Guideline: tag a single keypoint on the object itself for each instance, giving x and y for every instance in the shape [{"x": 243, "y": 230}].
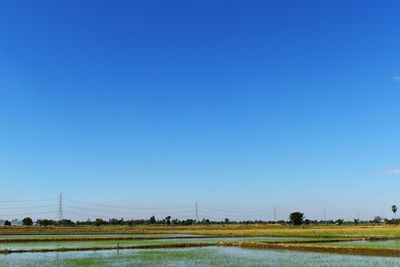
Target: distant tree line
[
  {"x": 295, "y": 218},
  {"x": 100, "y": 222}
]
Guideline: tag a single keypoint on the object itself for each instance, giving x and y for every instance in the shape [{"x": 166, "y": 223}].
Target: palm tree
[{"x": 394, "y": 209}]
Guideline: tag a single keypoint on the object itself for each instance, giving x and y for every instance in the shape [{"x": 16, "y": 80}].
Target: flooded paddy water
[
  {"x": 88, "y": 236},
  {"x": 128, "y": 243},
  {"x": 210, "y": 256},
  {"x": 112, "y": 251}
]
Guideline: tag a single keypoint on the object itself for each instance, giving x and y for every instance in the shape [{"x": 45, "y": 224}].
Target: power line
[
  {"x": 129, "y": 212},
  {"x": 236, "y": 212},
  {"x": 31, "y": 200},
  {"x": 27, "y": 207},
  {"x": 27, "y": 213},
  {"x": 122, "y": 207},
  {"x": 233, "y": 214},
  {"x": 75, "y": 206}
]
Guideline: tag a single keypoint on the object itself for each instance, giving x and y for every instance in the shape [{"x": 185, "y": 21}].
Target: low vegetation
[{"x": 319, "y": 238}]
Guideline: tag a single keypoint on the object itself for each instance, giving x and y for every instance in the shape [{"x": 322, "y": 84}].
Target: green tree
[
  {"x": 339, "y": 221},
  {"x": 99, "y": 222},
  {"x": 296, "y": 218},
  {"x": 27, "y": 221},
  {"x": 152, "y": 220},
  {"x": 377, "y": 219},
  {"x": 7, "y": 223}
]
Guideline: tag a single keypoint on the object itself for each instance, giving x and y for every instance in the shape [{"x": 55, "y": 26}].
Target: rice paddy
[
  {"x": 210, "y": 256},
  {"x": 216, "y": 245}
]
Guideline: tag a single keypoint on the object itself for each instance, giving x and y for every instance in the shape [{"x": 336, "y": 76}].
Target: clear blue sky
[{"x": 240, "y": 105}]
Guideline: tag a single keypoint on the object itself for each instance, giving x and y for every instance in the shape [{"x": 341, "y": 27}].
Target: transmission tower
[
  {"x": 60, "y": 210},
  {"x": 275, "y": 213},
  {"x": 196, "y": 211}
]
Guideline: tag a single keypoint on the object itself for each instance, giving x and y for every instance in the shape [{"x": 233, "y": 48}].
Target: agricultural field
[
  {"x": 209, "y": 256},
  {"x": 199, "y": 245},
  {"x": 110, "y": 243},
  {"x": 325, "y": 231}
]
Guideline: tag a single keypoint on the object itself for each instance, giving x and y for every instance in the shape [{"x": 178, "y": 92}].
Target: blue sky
[{"x": 239, "y": 105}]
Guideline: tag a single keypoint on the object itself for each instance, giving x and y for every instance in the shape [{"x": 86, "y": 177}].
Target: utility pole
[
  {"x": 60, "y": 210},
  {"x": 325, "y": 215},
  {"x": 275, "y": 213}
]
